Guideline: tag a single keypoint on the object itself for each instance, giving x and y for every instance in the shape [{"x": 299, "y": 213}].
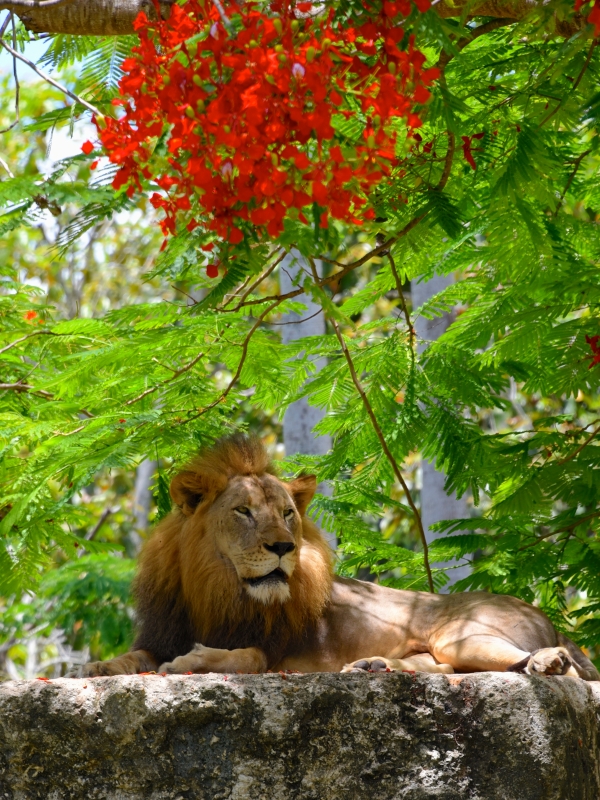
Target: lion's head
[{"x": 238, "y": 551}]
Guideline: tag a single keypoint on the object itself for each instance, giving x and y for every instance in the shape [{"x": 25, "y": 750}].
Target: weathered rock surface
[{"x": 301, "y": 737}]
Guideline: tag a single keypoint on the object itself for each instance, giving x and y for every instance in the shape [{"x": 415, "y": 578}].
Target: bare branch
[
  {"x": 386, "y": 450},
  {"x": 24, "y": 387},
  {"x": 23, "y": 338},
  {"x": 51, "y": 81}
]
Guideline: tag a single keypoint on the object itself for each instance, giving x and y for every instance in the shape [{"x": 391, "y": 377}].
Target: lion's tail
[{"x": 584, "y": 666}]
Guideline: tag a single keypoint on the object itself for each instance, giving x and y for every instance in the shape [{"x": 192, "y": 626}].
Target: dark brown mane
[{"x": 187, "y": 593}]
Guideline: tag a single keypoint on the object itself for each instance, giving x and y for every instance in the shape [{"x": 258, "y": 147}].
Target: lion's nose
[{"x": 280, "y": 548}]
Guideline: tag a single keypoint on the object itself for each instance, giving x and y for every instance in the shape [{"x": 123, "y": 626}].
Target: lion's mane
[{"x": 187, "y": 593}]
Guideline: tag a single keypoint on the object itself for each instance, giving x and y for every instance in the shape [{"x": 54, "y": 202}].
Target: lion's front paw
[
  {"x": 549, "y": 661},
  {"x": 177, "y": 667},
  {"x": 374, "y": 664},
  {"x": 95, "y": 669}
]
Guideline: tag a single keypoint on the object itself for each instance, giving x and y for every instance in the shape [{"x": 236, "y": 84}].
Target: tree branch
[
  {"x": 240, "y": 366},
  {"x": 23, "y": 338},
  {"x": 386, "y": 450},
  {"x": 51, "y": 81},
  {"x": 115, "y": 17}
]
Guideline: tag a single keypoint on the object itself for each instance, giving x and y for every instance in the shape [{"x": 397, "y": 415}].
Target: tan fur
[{"x": 205, "y": 603}]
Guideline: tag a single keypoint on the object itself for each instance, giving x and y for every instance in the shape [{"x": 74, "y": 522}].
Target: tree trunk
[
  {"x": 142, "y": 505},
  {"x": 436, "y": 504},
  {"x": 115, "y": 17},
  {"x": 300, "y": 417}
]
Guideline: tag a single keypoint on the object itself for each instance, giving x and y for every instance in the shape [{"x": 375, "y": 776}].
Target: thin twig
[
  {"x": 25, "y": 387},
  {"x": 51, "y": 81},
  {"x": 5, "y": 165},
  {"x": 91, "y": 534},
  {"x": 577, "y": 163},
  {"x": 11, "y": 18},
  {"x": 570, "y": 527},
  {"x": 256, "y": 283},
  {"x": 586, "y": 64},
  {"x": 386, "y": 450},
  {"x": 189, "y": 296},
  {"x": 337, "y": 276},
  {"x": 240, "y": 366},
  {"x": 4, "y": 25},
  {"x": 28, "y": 336},
  {"x": 298, "y": 321},
  {"x": 176, "y": 372},
  {"x": 403, "y": 306},
  {"x": 447, "y": 161},
  {"x": 580, "y": 448}
]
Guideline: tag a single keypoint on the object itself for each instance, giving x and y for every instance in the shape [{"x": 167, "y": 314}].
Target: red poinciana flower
[
  {"x": 594, "y": 343},
  {"x": 239, "y": 120},
  {"x": 594, "y": 16}
]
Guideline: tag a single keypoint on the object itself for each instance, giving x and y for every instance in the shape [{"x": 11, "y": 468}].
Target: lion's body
[{"x": 238, "y": 579}]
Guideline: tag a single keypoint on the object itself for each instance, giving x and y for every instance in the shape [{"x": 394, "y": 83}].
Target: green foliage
[{"x": 506, "y": 401}]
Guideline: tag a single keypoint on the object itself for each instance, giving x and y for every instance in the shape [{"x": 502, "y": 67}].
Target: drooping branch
[
  {"x": 386, "y": 450},
  {"x": 115, "y": 17}
]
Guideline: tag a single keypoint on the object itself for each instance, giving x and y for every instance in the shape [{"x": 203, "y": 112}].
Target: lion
[{"x": 238, "y": 579}]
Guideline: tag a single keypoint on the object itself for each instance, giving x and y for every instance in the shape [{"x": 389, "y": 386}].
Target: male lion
[{"x": 238, "y": 579}]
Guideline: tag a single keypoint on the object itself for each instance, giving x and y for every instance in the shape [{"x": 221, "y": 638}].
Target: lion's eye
[
  {"x": 289, "y": 512},
  {"x": 243, "y": 510}
]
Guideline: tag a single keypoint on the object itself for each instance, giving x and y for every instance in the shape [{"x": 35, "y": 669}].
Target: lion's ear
[
  {"x": 302, "y": 490},
  {"x": 187, "y": 491}
]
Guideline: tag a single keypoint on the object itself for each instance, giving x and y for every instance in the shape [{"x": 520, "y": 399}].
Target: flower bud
[
  {"x": 298, "y": 71},
  {"x": 310, "y": 54},
  {"x": 295, "y": 25},
  {"x": 200, "y": 106},
  {"x": 392, "y": 67},
  {"x": 197, "y": 80},
  {"x": 278, "y": 25},
  {"x": 189, "y": 112}
]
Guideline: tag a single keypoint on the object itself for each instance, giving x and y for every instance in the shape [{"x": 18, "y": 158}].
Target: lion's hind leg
[
  {"x": 422, "y": 662},
  {"x": 486, "y": 652}
]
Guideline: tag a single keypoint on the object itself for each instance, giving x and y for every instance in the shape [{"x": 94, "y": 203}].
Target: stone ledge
[{"x": 398, "y": 736}]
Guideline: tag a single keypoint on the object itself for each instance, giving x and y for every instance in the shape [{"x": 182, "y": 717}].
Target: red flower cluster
[
  {"x": 594, "y": 343},
  {"x": 242, "y": 117},
  {"x": 594, "y": 17}
]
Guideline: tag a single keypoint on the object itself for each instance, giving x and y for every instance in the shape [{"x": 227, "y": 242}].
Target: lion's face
[{"x": 256, "y": 526}]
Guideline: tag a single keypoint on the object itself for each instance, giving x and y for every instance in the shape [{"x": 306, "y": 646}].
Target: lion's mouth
[{"x": 277, "y": 576}]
